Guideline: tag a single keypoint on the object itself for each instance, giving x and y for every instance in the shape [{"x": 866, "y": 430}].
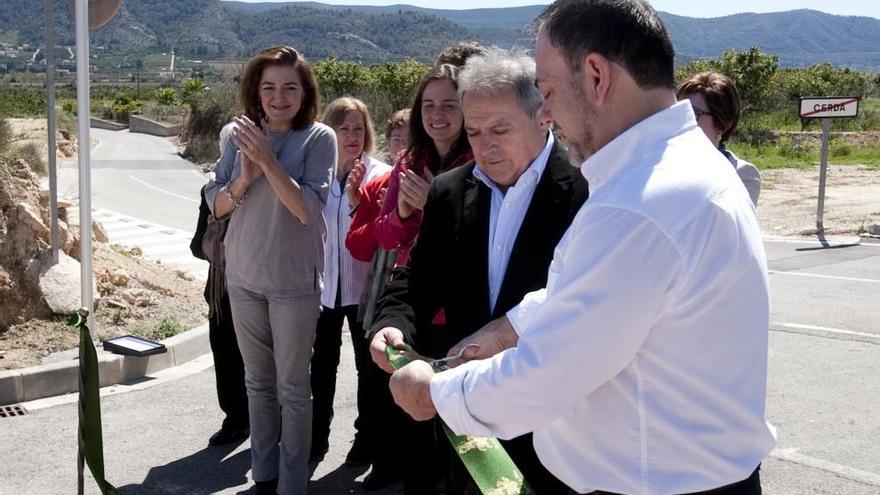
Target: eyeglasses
[{"x": 699, "y": 113}]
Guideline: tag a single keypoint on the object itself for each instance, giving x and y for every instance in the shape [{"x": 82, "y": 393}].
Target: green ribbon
[
  {"x": 91, "y": 444},
  {"x": 488, "y": 463}
]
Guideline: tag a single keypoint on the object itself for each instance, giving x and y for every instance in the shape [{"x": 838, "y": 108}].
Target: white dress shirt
[
  {"x": 642, "y": 367},
  {"x": 506, "y": 216},
  {"x": 337, "y": 259}
]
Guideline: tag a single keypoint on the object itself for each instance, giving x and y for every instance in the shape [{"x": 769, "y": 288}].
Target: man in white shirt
[{"x": 642, "y": 367}]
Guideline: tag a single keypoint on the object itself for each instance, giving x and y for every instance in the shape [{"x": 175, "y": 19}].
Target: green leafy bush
[
  {"x": 31, "y": 155},
  {"x": 168, "y": 327},
  {"x": 69, "y": 106},
  {"x": 209, "y": 111},
  {"x": 165, "y": 96},
  {"x": 22, "y": 102}
]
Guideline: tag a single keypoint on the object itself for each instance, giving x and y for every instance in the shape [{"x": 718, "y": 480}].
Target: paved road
[
  {"x": 823, "y": 390},
  {"x": 823, "y": 397},
  {"x": 143, "y": 193}
]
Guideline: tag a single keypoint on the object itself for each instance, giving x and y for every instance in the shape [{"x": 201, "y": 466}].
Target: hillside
[
  {"x": 216, "y": 29},
  {"x": 799, "y": 37},
  {"x": 211, "y": 29}
]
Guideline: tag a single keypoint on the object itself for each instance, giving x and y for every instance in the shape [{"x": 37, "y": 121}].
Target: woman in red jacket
[
  {"x": 437, "y": 143},
  {"x": 383, "y": 230}
]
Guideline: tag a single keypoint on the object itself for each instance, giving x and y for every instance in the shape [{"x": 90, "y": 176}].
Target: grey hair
[{"x": 499, "y": 69}]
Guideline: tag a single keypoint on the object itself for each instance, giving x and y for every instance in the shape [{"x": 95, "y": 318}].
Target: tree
[
  {"x": 337, "y": 78},
  {"x": 752, "y": 71},
  {"x": 193, "y": 86}
]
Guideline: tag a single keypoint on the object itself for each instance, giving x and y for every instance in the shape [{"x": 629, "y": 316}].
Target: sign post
[
  {"x": 50, "y": 125},
  {"x": 826, "y": 108}
]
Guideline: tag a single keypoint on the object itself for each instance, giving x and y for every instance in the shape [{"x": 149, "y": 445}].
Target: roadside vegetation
[{"x": 770, "y": 132}]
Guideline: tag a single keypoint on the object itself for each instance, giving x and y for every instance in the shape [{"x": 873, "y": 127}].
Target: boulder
[
  {"x": 119, "y": 278},
  {"x": 100, "y": 235},
  {"x": 60, "y": 285},
  {"x": 29, "y": 215},
  {"x": 137, "y": 297}
]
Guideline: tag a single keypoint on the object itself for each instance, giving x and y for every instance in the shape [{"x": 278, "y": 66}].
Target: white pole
[
  {"x": 50, "y": 121},
  {"x": 85, "y": 176}
]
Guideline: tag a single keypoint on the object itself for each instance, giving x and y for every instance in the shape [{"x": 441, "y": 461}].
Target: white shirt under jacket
[
  {"x": 642, "y": 367},
  {"x": 337, "y": 259},
  {"x": 506, "y": 214}
]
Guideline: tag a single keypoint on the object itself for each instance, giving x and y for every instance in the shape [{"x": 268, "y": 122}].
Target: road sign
[
  {"x": 826, "y": 108},
  {"x": 829, "y": 107}
]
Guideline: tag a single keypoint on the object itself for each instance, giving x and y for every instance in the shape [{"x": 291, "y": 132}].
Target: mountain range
[{"x": 233, "y": 29}]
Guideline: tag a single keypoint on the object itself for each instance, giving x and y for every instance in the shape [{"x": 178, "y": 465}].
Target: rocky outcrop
[{"x": 29, "y": 285}]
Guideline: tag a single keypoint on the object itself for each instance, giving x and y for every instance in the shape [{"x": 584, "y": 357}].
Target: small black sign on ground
[{"x": 132, "y": 345}]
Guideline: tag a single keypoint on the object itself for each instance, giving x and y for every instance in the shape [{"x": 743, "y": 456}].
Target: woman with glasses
[{"x": 716, "y": 106}]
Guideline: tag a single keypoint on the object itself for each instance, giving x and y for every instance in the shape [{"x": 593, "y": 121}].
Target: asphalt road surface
[
  {"x": 823, "y": 398},
  {"x": 140, "y": 176},
  {"x": 823, "y": 388},
  {"x": 143, "y": 194}
]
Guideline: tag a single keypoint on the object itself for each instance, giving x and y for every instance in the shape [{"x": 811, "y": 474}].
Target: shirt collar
[
  {"x": 631, "y": 145},
  {"x": 536, "y": 168}
]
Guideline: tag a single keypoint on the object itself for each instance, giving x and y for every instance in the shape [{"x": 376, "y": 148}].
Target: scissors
[{"x": 440, "y": 364}]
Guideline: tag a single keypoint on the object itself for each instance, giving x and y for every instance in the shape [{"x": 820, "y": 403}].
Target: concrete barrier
[
  {"x": 106, "y": 124},
  {"x": 136, "y": 123},
  {"x": 47, "y": 380}
]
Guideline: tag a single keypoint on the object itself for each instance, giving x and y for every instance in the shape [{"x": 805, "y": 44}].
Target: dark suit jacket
[
  {"x": 449, "y": 266},
  {"x": 449, "y": 270}
]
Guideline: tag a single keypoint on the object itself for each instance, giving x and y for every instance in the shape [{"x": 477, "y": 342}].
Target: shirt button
[
  {"x": 507, "y": 205},
  {"x": 498, "y": 247}
]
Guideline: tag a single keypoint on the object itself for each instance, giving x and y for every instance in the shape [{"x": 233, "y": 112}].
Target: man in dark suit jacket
[{"x": 509, "y": 207}]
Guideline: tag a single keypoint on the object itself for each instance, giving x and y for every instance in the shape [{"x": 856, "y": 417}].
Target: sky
[{"x": 690, "y": 8}]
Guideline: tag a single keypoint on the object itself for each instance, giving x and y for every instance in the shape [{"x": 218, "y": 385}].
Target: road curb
[{"x": 47, "y": 380}]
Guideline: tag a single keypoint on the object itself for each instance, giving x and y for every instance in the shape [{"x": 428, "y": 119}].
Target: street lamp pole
[{"x": 85, "y": 176}]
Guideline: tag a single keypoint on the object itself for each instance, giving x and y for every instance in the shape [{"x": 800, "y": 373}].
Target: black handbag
[{"x": 207, "y": 244}]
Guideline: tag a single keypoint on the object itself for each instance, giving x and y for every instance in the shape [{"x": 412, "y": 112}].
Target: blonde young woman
[
  {"x": 344, "y": 279},
  {"x": 272, "y": 182}
]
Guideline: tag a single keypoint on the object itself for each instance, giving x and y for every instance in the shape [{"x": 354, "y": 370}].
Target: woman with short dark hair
[
  {"x": 717, "y": 107},
  {"x": 272, "y": 182}
]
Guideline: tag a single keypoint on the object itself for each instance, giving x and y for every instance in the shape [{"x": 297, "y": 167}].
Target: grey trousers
[{"x": 276, "y": 335}]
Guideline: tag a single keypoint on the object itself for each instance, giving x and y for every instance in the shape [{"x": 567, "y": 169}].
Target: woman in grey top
[
  {"x": 717, "y": 106},
  {"x": 272, "y": 179}
]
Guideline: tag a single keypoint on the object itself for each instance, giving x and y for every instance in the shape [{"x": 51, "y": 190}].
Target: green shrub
[
  {"x": 31, "y": 155},
  {"x": 69, "y": 106},
  {"x": 838, "y": 149},
  {"x": 168, "y": 327},
  {"x": 201, "y": 149},
  {"x": 5, "y": 135},
  {"x": 124, "y": 105},
  {"x": 192, "y": 87},
  {"x": 22, "y": 102},
  {"x": 788, "y": 148},
  {"x": 209, "y": 111},
  {"x": 165, "y": 96}
]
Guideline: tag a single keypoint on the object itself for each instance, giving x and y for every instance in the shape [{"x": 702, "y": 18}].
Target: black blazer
[{"x": 449, "y": 263}]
